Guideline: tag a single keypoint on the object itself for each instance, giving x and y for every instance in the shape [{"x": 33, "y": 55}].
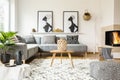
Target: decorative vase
[
  {"x": 33, "y": 30},
  {"x": 5, "y": 58},
  {"x": 18, "y": 59},
  {"x": 62, "y": 44}
]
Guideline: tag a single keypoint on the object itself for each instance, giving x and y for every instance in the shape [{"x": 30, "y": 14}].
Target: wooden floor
[{"x": 89, "y": 56}]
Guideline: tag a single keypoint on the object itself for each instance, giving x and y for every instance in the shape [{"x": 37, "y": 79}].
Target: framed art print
[
  {"x": 44, "y": 21},
  {"x": 70, "y": 21}
]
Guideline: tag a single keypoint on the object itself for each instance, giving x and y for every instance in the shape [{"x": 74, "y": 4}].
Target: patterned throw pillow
[{"x": 72, "y": 39}]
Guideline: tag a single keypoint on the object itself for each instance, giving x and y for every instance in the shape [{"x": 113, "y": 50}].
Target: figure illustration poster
[
  {"x": 70, "y": 21},
  {"x": 45, "y": 21}
]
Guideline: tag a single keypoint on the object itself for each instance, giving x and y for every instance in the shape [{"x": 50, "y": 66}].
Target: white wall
[
  {"x": 117, "y": 12},
  {"x": 110, "y": 12},
  {"x": 13, "y": 15},
  {"x": 107, "y": 12},
  {"x": 90, "y": 30}
]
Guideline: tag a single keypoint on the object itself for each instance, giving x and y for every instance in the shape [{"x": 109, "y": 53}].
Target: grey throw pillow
[
  {"x": 20, "y": 39},
  {"x": 38, "y": 40},
  {"x": 72, "y": 39},
  {"x": 48, "y": 40},
  {"x": 29, "y": 39},
  {"x": 59, "y": 37}
]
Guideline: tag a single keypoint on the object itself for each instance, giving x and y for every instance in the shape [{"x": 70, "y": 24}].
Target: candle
[{"x": 11, "y": 62}]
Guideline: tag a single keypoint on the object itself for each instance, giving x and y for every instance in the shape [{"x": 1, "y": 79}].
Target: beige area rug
[{"x": 41, "y": 70}]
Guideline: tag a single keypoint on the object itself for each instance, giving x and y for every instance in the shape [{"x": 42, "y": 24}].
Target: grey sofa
[
  {"x": 28, "y": 50},
  {"x": 31, "y": 44}
]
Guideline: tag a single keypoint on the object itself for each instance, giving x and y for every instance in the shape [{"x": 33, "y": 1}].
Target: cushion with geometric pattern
[{"x": 72, "y": 39}]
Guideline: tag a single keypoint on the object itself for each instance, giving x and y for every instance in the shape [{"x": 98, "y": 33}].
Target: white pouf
[{"x": 18, "y": 72}]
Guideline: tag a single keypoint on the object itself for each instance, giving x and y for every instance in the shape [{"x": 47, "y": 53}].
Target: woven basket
[{"x": 62, "y": 44}]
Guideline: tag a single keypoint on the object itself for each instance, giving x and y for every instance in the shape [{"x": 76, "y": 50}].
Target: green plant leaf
[
  {"x": 6, "y": 40},
  {"x": 1, "y": 45}
]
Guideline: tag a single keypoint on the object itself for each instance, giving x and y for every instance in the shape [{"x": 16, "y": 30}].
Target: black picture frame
[
  {"x": 71, "y": 21},
  {"x": 44, "y": 21}
]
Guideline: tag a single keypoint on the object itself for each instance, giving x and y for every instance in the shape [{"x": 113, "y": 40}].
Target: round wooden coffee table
[{"x": 54, "y": 52}]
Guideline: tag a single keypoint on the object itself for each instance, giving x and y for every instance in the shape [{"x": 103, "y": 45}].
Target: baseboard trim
[
  {"x": 116, "y": 58},
  {"x": 92, "y": 52}
]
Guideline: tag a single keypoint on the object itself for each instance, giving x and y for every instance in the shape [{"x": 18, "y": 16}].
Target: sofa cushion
[
  {"x": 29, "y": 46},
  {"x": 48, "y": 47},
  {"x": 60, "y": 37},
  {"x": 21, "y": 39},
  {"x": 75, "y": 47},
  {"x": 31, "y": 49},
  {"x": 15, "y": 39},
  {"x": 48, "y": 40},
  {"x": 72, "y": 39},
  {"x": 29, "y": 39},
  {"x": 38, "y": 40}
]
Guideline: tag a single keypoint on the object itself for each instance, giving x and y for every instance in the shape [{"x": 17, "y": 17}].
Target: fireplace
[{"x": 112, "y": 38}]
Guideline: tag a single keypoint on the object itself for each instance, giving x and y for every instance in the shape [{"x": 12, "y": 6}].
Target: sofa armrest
[{"x": 23, "y": 48}]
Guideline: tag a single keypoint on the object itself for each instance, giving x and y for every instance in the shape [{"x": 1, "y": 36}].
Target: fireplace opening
[{"x": 112, "y": 38}]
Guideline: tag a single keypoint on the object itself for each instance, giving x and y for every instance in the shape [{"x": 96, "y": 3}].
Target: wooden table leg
[
  {"x": 53, "y": 57},
  {"x": 69, "y": 54},
  {"x": 85, "y": 54},
  {"x": 61, "y": 58}
]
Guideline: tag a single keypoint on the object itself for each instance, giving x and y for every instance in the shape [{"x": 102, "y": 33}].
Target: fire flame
[{"x": 116, "y": 38}]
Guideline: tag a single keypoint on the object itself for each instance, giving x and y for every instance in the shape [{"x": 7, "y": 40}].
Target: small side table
[
  {"x": 101, "y": 58},
  {"x": 54, "y": 52},
  {"x": 14, "y": 73}
]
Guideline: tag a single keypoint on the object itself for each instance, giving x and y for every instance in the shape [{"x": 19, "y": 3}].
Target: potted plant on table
[{"x": 6, "y": 41}]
